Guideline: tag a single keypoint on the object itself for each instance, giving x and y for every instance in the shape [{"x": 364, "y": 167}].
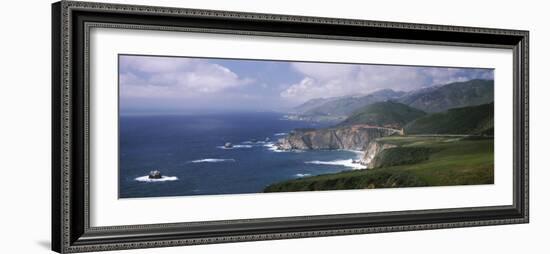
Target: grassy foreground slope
[{"x": 450, "y": 161}]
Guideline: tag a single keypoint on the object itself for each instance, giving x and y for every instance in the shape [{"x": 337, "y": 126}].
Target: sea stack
[
  {"x": 228, "y": 145},
  {"x": 155, "y": 174}
]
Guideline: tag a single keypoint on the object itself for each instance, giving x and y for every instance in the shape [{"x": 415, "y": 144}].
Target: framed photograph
[{"x": 181, "y": 126}]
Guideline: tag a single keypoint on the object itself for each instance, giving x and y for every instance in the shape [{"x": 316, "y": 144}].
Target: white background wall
[{"x": 25, "y": 126}]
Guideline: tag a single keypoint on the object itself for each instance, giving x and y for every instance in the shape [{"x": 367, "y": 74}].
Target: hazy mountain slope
[
  {"x": 311, "y": 104},
  {"x": 453, "y": 95},
  {"x": 466, "y": 120},
  {"x": 344, "y": 106},
  {"x": 387, "y": 114}
]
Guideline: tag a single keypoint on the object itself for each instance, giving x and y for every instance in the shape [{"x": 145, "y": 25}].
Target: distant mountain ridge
[
  {"x": 430, "y": 99},
  {"x": 453, "y": 95},
  {"x": 313, "y": 103},
  {"x": 342, "y": 106}
]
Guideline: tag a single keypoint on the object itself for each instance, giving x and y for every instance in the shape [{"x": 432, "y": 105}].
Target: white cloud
[
  {"x": 331, "y": 80},
  {"x": 324, "y": 71},
  {"x": 167, "y": 77}
]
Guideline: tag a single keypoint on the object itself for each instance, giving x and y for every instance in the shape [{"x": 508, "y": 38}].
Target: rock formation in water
[{"x": 155, "y": 174}]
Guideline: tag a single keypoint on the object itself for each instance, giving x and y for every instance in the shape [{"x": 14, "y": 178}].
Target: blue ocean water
[{"x": 190, "y": 153}]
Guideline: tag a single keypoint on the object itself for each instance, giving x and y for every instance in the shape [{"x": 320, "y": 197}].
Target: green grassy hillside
[
  {"x": 442, "y": 161},
  {"x": 387, "y": 114},
  {"x": 467, "y": 120}
]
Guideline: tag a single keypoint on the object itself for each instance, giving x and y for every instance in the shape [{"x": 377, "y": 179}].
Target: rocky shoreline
[{"x": 353, "y": 137}]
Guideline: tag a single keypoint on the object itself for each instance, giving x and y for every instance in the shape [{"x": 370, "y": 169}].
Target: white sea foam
[
  {"x": 273, "y": 147},
  {"x": 346, "y": 163},
  {"x": 162, "y": 179},
  {"x": 212, "y": 160},
  {"x": 302, "y": 175},
  {"x": 281, "y": 134},
  {"x": 234, "y": 147},
  {"x": 260, "y": 142}
]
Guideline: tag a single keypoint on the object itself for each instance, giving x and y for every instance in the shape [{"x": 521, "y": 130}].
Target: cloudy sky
[{"x": 186, "y": 85}]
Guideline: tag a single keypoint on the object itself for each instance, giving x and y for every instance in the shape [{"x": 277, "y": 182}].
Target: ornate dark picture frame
[{"x": 71, "y": 22}]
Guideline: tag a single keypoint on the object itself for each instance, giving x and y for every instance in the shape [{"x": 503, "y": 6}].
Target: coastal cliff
[
  {"x": 353, "y": 137},
  {"x": 371, "y": 159}
]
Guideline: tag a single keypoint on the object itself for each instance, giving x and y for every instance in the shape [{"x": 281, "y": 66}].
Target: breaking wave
[
  {"x": 281, "y": 134},
  {"x": 273, "y": 147},
  {"x": 302, "y": 175},
  {"x": 346, "y": 163},
  {"x": 212, "y": 160},
  {"x": 259, "y": 142},
  {"x": 234, "y": 147},
  {"x": 162, "y": 179}
]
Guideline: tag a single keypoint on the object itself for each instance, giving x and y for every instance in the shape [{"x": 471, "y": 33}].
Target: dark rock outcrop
[{"x": 155, "y": 174}]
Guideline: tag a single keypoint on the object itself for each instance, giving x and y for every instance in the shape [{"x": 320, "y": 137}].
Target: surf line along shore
[{"x": 354, "y": 137}]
